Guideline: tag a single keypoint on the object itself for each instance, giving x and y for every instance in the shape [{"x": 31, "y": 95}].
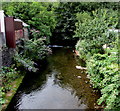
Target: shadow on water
[{"x": 58, "y": 86}]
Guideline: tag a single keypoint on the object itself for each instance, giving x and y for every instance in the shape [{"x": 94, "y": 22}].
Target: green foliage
[
  {"x": 97, "y": 28},
  {"x": 66, "y": 16},
  {"x": 93, "y": 33},
  {"x": 2, "y": 94},
  {"x": 39, "y": 15},
  {"x": 104, "y": 74},
  {"x": 21, "y": 61},
  {"x": 102, "y": 62},
  {"x": 34, "y": 34},
  {"x": 36, "y": 49},
  {"x": 83, "y": 17},
  {"x": 33, "y": 50},
  {"x": 87, "y": 48},
  {"x": 7, "y": 75},
  {"x": 44, "y": 16}
]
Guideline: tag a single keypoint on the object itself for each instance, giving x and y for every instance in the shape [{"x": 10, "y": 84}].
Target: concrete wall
[{"x": 2, "y": 27}]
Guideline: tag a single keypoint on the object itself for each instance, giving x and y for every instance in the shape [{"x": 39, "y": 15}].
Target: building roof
[{"x": 23, "y": 23}]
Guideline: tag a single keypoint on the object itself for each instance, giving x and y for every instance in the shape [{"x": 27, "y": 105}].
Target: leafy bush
[
  {"x": 36, "y": 49},
  {"x": 2, "y": 94},
  {"x": 97, "y": 28},
  {"x": 93, "y": 34},
  {"x": 34, "y": 34},
  {"x": 87, "y": 48},
  {"x": 102, "y": 63},
  {"x": 83, "y": 17},
  {"x": 33, "y": 50},
  {"x": 21, "y": 61},
  {"x": 104, "y": 74},
  {"x": 66, "y": 16}
]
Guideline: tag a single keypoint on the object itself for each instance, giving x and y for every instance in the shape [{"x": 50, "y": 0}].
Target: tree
[{"x": 38, "y": 15}]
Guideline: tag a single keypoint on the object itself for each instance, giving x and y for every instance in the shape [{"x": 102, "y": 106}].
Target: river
[{"x": 59, "y": 86}]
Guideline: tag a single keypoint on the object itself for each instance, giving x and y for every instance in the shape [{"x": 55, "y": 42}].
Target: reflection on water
[{"x": 59, "y": 86}]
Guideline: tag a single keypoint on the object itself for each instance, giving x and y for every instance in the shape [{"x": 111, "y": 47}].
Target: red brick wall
[{"x": 18, "y": 34}]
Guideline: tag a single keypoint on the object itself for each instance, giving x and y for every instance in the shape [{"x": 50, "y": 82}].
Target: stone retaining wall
[{"x": 7, "y": 54}]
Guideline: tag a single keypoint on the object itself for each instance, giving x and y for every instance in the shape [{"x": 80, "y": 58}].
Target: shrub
[
  {"x": 93, "y": 33},
  {"x": 87, "y": 48},
  {"x": 21, "y": 61},
  {"x": 36, "y": 49},
  {"x": 102, "y": 64},
  {"x": 104, "y": 74},
  {"x": 33, "y": 51}
]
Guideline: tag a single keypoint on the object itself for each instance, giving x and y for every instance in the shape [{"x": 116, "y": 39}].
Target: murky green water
[{"x": 59, "y": 86}]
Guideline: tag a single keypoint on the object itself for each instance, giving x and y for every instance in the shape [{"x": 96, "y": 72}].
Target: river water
[{"x": 59, "y": 86}]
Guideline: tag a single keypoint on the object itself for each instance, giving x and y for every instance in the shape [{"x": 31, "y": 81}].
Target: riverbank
[
  {"x": 9, "y": 95},
  {"x": 103, "y": 71}
]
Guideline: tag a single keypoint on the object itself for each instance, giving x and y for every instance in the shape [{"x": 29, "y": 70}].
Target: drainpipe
[{"x": 2, "y": 26}]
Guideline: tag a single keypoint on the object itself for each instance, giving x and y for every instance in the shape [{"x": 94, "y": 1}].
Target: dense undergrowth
[
  {"x": 32, "y": 51},
  {"x": 99, "y": 47},
  {"x": 104, "y": 75}
]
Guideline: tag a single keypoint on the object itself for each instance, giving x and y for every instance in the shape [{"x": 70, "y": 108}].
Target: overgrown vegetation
[
  {"x": 32, "y": 51},
  {"x": 99, "y": 47},
  {"x": 87, "y": 22},
  {"x": 66, "y": 18},
  {"x": 93, "y": 31},
  {"x": 42, "y": 22},
  {"x": 104, "y": 74}
]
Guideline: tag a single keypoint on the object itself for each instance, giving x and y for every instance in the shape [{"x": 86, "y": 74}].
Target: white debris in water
[
  {"x": 79, "y": 67},
  {"x": 79, "y": 77},
  {"x": 88, "y": 76},
  {"x": 104, "y": 46},
  {"x": 90, "y": 86}
]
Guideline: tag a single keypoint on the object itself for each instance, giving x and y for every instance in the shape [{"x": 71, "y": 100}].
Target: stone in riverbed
[
  {"x": 79, "y": 77},
  {"x": 79, "y": 67}
]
